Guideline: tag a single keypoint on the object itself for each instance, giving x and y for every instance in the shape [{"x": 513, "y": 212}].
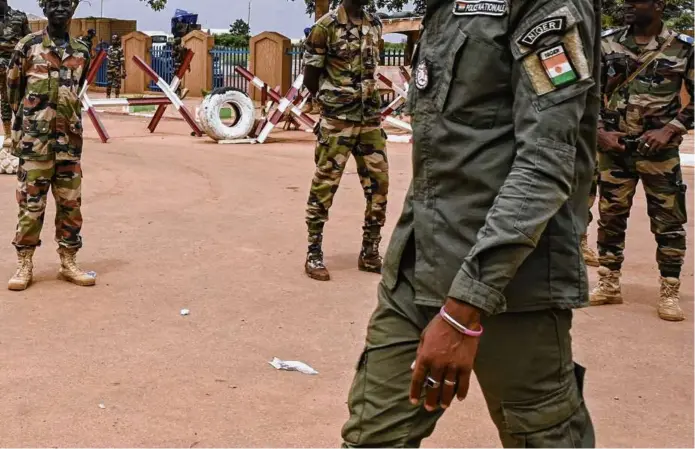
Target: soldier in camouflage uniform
[
  {"x": 645, "y": 66},
  {"x": 14, "y": 25},
  {"x": 341, "y": 57},
  {"x": 88, "y": 39},
  {"x": 45, "y": 76},
  {"x": 116, "y": 67},
  {"x": 590, "y": 256}
]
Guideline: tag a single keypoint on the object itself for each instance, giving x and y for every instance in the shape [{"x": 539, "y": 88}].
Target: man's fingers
[
  {"x": 449, "y": 387},
  {"x": 463, "y": 384},
  {"x": 434, "y": 384},
  {"x": 419, "y": 373}
]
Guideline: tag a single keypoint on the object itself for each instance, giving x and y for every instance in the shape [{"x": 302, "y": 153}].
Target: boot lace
[
  {"x": 23, "y": 268},
  {"x": 669, "y": 294}
]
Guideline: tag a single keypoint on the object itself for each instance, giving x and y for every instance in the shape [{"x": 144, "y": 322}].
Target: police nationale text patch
[
  {"x": 480, "y": 8},
  {"x": 551, "y": 25}
]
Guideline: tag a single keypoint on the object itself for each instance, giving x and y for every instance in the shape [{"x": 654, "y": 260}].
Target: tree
[
  {"x": 240, "y": 28},
  {"x": 391, "y": 5},
  {"x": 678, "y": 14},
  {"x": 238, "y": 37},
  {"x": 156, "y": 5}
]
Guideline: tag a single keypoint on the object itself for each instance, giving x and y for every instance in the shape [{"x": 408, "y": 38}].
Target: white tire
[{"x": 242, "y": 107}]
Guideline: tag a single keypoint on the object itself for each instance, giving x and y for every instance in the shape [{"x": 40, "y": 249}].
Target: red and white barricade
[
  {"x": 286, "y": 105},
  {"x": 401, "y": 96},
  {"x": 90, "y": 105}
]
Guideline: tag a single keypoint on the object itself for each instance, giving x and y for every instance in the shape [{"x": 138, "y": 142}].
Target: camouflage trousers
[
  {"x": 113, "y": 80},
  {"x": 336, "y": 141},
  {"x": 666, "y": 206},
  {"x": 35, "y": 178},
  {"x": 5, "y": 110},
  {"x": 524, "y": 365}
]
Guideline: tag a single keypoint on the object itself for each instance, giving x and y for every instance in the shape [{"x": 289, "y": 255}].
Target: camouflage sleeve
[
  {"x": 684, "y": 119},
  {"x": 548, "y": 140},
  {"x": 315, "y": 47},
  {"x": 16, "y": 80},
  {"x": 603, "y": 80},
  {"x": 87, "y": 64}
]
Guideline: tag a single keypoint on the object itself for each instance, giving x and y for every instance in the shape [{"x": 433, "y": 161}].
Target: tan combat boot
[
  {"x": 608, "y": 289},
  {"x": 25, "y": 267},
  {"x": 669, "y": 309},
  {"x": 590, "y": 256},
  {"x": 314, "y": 266},
  {"x": 7, "y": 128},
  {"x": 370, "y": 260},
  {"x": 71, "y": 272}
]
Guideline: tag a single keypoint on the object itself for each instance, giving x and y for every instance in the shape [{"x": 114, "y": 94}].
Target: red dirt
[{"x": 175, "y": 222}]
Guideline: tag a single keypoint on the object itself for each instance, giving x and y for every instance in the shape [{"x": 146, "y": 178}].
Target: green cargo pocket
[{"x": 554, "y": 420}]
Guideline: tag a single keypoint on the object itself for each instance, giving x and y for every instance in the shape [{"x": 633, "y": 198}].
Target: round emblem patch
[{"x": 422, "y": 75}]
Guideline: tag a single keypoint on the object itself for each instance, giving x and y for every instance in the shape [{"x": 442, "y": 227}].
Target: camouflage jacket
[
  {"x": 116, "y": 57},
  {"x": 12, "y": 29},
  {"x": 348, "y": 55},
  {"x": 44, "y": 82},
  {"x": 653, "y": 98}
]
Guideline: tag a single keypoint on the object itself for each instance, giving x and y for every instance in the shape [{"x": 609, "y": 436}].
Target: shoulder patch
[
  {"x": 685, "y": 38},
  {"x": 496, "y": 8},
  {"x": 550, "y": 25}
]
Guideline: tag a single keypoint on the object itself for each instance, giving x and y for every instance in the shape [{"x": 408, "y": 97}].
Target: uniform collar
[
  {"x": 48, "y": 42},
  {"x": 344, "y": 19},
  {"x": 628, "y": 40}
]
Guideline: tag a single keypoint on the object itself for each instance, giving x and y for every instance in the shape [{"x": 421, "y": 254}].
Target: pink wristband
[{"x": 458, "y": 326}]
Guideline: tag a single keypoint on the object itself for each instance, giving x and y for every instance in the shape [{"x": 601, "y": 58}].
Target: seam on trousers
[{"x": 364, "y": 361}]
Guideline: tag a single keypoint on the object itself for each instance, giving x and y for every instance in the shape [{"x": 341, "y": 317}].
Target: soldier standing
[
  {"x": 45, "y": 76},
  {"x": 590, "y": 256},
  {"x": 14, "y": 25},
  {"x": 341, "y": 57},
  {"x": 484, "y": 266},
  {"x": 116, "y": 68},
  {"x": 88, "y": 39},
  {"x": 645, "y": 67}
]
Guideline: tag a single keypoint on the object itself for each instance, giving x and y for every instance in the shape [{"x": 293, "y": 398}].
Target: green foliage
[
  {"x": 238, "y": 37},
  {"x": 391, "y": 5},
  {"x": 678, "y": 14},
  {"x": 156, "y": 5}
]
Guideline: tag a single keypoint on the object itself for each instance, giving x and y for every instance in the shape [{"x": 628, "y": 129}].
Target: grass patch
[{"x": 142, "y": 108}]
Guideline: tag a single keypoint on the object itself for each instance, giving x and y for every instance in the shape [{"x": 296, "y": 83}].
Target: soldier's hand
[
  {"x": 610, "y": 140},
  {"x": 445, "y": 358},
  {"x": 655, "y": 140}
]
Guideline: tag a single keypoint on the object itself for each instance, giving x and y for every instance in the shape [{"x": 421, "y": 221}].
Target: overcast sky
[{"x": 283, "y": 16}]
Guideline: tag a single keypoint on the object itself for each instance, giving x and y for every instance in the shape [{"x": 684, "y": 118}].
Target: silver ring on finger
[
  {"x": 431, "y": 383},
  {"x": 449, "y": 383},
  {"x": 646, "y": 145}
]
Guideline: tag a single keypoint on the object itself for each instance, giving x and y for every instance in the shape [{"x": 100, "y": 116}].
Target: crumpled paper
[{"x": 292, "y": 365}]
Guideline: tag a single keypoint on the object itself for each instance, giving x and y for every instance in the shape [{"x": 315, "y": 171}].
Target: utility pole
[
  {"x": 248, "y": 19},
  {"x": 102, "y": 8}
]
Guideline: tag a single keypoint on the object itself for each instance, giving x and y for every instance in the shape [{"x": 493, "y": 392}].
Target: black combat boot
[
  {"x": 370, "y": 260},
  {"x": 314, "y": 266}
]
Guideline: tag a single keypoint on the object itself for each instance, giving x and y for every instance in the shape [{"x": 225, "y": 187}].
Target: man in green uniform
[
  {"x": 342, "y": 54},
  {"x": 116, "y": 67},
  {"x": 45, "y": 76},
  {"x": 484, "y": 266},
  {"x": 14, "y": 25},
  {"x": 645, "y": 67}
]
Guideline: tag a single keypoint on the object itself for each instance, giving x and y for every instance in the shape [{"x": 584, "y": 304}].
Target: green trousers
[{"x": 524, "y": 366}]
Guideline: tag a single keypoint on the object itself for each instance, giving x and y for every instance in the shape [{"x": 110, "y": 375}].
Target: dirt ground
[{"x": 175, "y": 222}]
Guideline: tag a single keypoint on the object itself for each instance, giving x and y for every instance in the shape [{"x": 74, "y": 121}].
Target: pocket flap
[{"x": 543, "y": 412}]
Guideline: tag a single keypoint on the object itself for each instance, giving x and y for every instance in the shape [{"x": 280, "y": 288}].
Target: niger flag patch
[{"x": 558, "y": 66}]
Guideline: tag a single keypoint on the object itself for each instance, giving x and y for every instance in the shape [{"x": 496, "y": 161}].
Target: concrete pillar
[
  {"x": 270, "y": 61},
  {"x": 199, "y": 78},
  {"x": 136, "y": 44}
]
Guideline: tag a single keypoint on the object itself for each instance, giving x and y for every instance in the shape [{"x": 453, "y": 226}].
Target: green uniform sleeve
[
  {"x": 540, "y": 182},
  {"x": 684, "y": 120},
  {"x": 315, "y": 47},
  {"x": 16, "y": 79}
]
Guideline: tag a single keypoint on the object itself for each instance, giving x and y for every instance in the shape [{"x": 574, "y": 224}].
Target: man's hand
[
  {"x": 610, "y": 140},
  {"x": 446, "y": 356},
  {"x": 655, "y": 140}
]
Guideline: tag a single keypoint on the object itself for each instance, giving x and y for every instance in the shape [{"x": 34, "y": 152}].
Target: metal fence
[
  {"x": 224, "y": 60},
  {"x": 163, "y": 64},
  {"x": 102, "y": 77},
  {"x": 393, "y": 57},
  {"x": 297, "y": 54}
]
